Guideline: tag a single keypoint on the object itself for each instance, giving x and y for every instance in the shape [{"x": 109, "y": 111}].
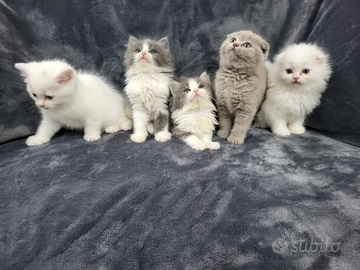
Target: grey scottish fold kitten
[
  {"x": 240, "y": 83},
  {"x": 193, "y": 113}
]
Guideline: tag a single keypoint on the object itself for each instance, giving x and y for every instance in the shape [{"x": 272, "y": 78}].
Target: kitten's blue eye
[
  {"x": 137, "y": 51},
  {"x": 49, "y": 97},
  {"x": 201, "y": 86},
  {"x": 232, "y": 40},
  {"x": 152, "y": 51},
  {"x": 305, "y": 71},
  {"x": 247, "y": 45},
  {"x": 187, "y": 90},
  {"x": 289, "y": 71},
  {"x": 35, "y": 95}
]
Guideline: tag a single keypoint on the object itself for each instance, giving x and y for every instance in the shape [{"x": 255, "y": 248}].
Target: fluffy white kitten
[
  {"x": 296, "y": 80},
  {"x": 148, "y": 73},
  {"x": 193, "y": 113},
  {"x": 72, "y": 100}
]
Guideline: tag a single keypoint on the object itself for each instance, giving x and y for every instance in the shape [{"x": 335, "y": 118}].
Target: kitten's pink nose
[
  {"x": 196, "y": 90},
  {"x": 41, "y": 105},
  {"x": 235, "y": 45},
  {"x": 143, "y": 53},
  {"x": 296, "y": 78}
]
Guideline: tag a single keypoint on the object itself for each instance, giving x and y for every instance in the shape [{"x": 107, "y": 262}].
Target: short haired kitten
[
  {"x": 193, "y": 113},
  {"x": 73, "y": 100},
  {"x": 240, "y": 83},
  {"x": 296, "y": 81},
  {"x": 149, "y": 70}
]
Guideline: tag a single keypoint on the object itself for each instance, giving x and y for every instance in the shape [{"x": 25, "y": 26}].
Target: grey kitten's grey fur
[
  {"x": 193, "y": 113},
  {"x": 149, "y": 70},
  {"x": 240, "y": 83}
]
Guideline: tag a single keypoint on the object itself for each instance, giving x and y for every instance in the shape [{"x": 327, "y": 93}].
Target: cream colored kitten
[{"x": 296, "y": 81}]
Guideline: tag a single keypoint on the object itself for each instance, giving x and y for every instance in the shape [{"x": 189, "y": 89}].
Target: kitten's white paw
[
  {"x": 163, "y": 136},
  {"x": 297, "y": 129},
  {"x": 138, "y": 138},
  {"x": 235, "y": 139},
  {"x": 282, "y": 132},
  {"x": 34, "y": 140},
  {"x": 127, "y": 125},
  {"x": 112, "y": 129},
  {"x": 199, "y": 146},
  {"x": 223, "y": 133},
  {"x": 91, "y": 137},
  {"x": 150, "y": 128},
  {"x": 213, "y": 145}
]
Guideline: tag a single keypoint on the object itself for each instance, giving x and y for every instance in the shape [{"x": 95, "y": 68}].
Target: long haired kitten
[
  {"x": 297, "y": 78},
  {"x": 73, "y": 100},
  {"x": 149, "y": 70},
  {"x": 193, "y": 113},
  {"x": 240, "y": 83}
]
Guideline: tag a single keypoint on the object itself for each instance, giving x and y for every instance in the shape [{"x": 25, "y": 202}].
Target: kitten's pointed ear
[
  {"x": 164, "y": 42},
  {"x": 65, "y": 76},
  {"x": 174, "y": 87},
  {"x": 132, "y": 40},
  {"x": 265, "y": 47},
  {"x": 24, "y": 68},
  {"x": 205, "y": 78}
]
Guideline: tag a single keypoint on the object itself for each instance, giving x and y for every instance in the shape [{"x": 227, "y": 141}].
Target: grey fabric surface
[{"x": 115, "y": 204}]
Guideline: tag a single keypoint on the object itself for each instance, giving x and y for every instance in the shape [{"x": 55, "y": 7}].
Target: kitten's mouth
[{"x": 143, "y": 58}]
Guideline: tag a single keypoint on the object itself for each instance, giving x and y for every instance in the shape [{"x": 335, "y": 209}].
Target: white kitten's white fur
[
  {"x": 147, "y": 87},
  {"x": 296, "y": 80},
  {"x": 197, "y": 116},
  {"x": 72, "y": 100}
]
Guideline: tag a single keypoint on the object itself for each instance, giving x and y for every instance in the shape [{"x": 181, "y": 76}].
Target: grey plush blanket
[{"x": 272, "y": 203}]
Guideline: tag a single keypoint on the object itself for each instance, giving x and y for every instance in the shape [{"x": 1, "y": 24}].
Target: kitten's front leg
[
  {"x": 209, "y": 143},
  {"x": 278, "y": 126},
  {"x": 242, "y": 122},
  {"x": 195, "y": 143},
  {"x": 224, "y": 121},
  {"x": 92, "y": 130},
  {"x": 161, "y": 126},
  {"x": 141, "y": 119},
  {"x": 46, "y": 130},
  {"x": 296, "y": 125}
]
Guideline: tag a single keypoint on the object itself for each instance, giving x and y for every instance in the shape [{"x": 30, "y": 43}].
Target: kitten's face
[
  {"x": 243, "y": 49},
  {"x": 148, "y": 53},
  {"x": 301, "y": 64},
  {"x": 191, "y": 91},
  {"x": 45, "y": 82}
]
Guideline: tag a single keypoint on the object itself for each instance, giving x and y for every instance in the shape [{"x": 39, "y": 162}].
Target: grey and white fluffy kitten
[
  {"x": 193, "y": 113},
  {"x": 240, "y": 83},
  {"x": 149, "y": 70}
]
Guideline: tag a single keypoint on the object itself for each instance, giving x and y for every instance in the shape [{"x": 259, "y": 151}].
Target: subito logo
[{"x": 280, "y": 246}]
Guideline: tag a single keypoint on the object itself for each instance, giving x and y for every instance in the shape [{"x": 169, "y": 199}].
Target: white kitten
[
  {"x": 193, "y": 113},
  {"x": 149, "y": 71},
  {"x": 72, "y": 100},
  {"x": 296, "y": 80}
]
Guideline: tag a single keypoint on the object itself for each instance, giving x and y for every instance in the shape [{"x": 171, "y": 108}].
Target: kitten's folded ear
[
  {"x": 205, "y": 78},
  {"x": 25, "y": 68},
  {"x": 265, "y": 47},
  {"x": 164, "y": 42},
  {"x": 65, "y": 76},
  {"x": 174, "y": 87},
  {"x": 320, "y": 57}
]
